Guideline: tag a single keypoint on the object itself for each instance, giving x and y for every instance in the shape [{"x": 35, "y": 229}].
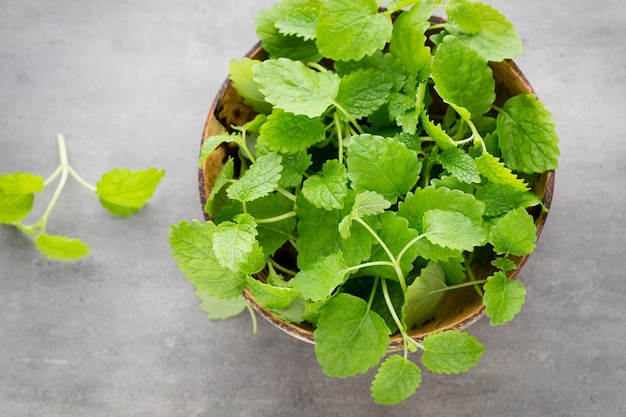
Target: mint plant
[
  {"x": 382, "y": 156},
  {"x": 120, "y": 191}
]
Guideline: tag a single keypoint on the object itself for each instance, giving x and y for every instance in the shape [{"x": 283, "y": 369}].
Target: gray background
[{"x": 119, "y": 333}]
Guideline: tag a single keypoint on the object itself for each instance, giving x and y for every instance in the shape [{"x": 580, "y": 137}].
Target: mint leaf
[
  {"x": 296, "y": 88},
  {"x": 366, "y": 203},
  {"x": 272, "y": 235},
  {"x": 484, "y": 29},
  {"x": 408, "y": 39},
  {"x": 290, "y": 133},
  {"x": 382, "y": 165},
  {"x": 527, "y": 135},
  {"x": 294, "y": 167},
  {"x": 327, "y": 189},
  {"x": 363, "y": 91},
  {"x": 462, "y": 77},
  {"x": 192, "y": 247},
  {"x": 17, "y": 195},
  {"x": 271, "y": 296},
  {"x": 211, "y": 143},
  {"x": 349, "y": 338},
  {"x": 515, "y": 233},
  {"x": 499, "y": 198},
  {"x": 302, "y": 23},
  {"x": 218, "y": 309},
  {"x": 259, "y": 180},
  {"x": 214, "y": 203},
  {"x": 233, "y": 242},
  {"x": 382, "y": 62},
  {"x": 451, "y": 352},
  {"x": 316, "y": 282},
  {"x": 396, "y": 380},
  {"x": 505, "y": 264},
  {"x": 460, "y": 165},
  {"x": 423, "y": 296},
  {"x": 453, "y": 230},
  {"x": 436, "y": 132},
  {"x": 351, "y": 29},
  {"x": 495, "y": 171},
  {"x": 503, "y": 298},
  {"x": 60, "y": 248},
  {"x": 240, "y": 70},
  {"x": 124, "y": 192}
]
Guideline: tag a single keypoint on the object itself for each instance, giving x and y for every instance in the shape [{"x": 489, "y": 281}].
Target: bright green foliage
[
  {"x": 294, "y": 167},
  {"x": 233, "y": 242},
  {"x": 495, "y": 171},
  {"x": 296, "y": 88},
  {"x": 124, "y": 192},
  {"x": 424, "y": 295},
  {"x": 382, "y": 165},
  {"x": 408, "y": 33},
  {"x": 436, "y": 132},
  {"x": 363, "y": 91},
  {"x": 396, "y": 380},
  {"x": 484, "y": 29},
  {"x": 192, "y": 247},
  {"x": 462, "y": 77},
  {"x": 351, "y": 29},
  {"x": 503, "y": 298},
  {"x": 527, "y": 135},
  {"x": 460, "y": 165},
  {"x": 451, "y": 352},
  {"x": 328, "y": 189},
  {"x": 349, "y": 338},
  {"x": 17, "y": 195},
  {"x": 271, "y": 296},
  {"x": 241, "y": 75},
  {"x": 60, "y": 248},
  {"x": 301, "y": 23},
  {"x": 504, "y": 264},
  {"x": 514, "y": 233},
  {"x": 320, "y": 279},
  {"x": 213, "y": 142},
  {"x": 259, "y": 180},
  {"x": 499, "y": 198},
  {"x": 214, "y": 203},
  {"x": 452, "y": 230},
  {"x": 218, "y": 309},
  {"x": 367, "y": 203},
  {"x": 272, "y": 235},
  {"x": 290, "y": 133}
]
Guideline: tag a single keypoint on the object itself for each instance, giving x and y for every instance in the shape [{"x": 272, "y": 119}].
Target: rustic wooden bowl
[{"x": 459, "y": 309}]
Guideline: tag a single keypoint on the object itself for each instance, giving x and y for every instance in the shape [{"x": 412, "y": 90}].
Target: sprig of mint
[
  {"x": 120, "y": 191},
  {"x": 380, "y": 155}
]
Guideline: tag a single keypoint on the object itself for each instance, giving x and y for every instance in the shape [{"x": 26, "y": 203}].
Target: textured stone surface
[{"x": 119, "y": 333}]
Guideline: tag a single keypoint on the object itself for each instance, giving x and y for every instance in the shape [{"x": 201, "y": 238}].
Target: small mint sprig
[{"x": 121, "y": 191}]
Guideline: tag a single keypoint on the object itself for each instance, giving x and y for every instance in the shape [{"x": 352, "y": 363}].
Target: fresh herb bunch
[
  {"x": 379, "y": 154},
  {"x": 121, "y": 191}
]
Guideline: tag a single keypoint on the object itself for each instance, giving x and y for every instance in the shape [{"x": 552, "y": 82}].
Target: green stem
[
  {"x": 53, "y": 176},
  {"x": 351, "y": 119},
  {"x": 255, "y": 326},
  {"x": 64, "y": 165},
  {"x": 339, "y": 136},
  {"x": 277, "y": 218},
  {"x": 408, "y": 246},
  {"x": 317, "y": 66},
  {"x": 281, "y": 268},
  {"x": 80, "y": 179},
  {"x": 456, "y": 287},
  {"x": 472, "y": 277},
  {"x": 405, "y": 337},
  {"x": 286, "y": 193},
  {"x": 369, "y": 264},
  {"x": 371, "y": 300}
]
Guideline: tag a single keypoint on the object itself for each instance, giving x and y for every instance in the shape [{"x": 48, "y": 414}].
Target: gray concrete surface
[{"x": 119, "y": 333}]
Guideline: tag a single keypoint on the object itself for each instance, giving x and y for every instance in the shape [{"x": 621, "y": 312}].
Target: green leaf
[
  {"x": 495, "y": 171},
  {"x": 296, "y": 88},
  {"x": 316, "y": 282},
  {"x": 515, "y": 233},
  {"x": 349, "y": 338},
  {"x": 408, "y": 39},
  {"x": 213, "y": 142},
  {"x": 460, "y": 165},
  {"x": 329, "y": 188},
  {"x": 271, "y": 236},
  {"x": 505, "y": 264},
  {"x": 17, "y": 195},
  {"x": 302, "y": 23},
  {"x": 217, "y": 199},
  {"x": 382, "y": 62},
  {"x": 351, "y": 29},
  {"x": 363, "y": 91},
  {"x": 259, "y": 180},
  {"x": 423, "y": 296},
  {"x": 270, "y": 296},
  {"x": 527, "y": 135},
  {"x": 124, "y": 192},
  {"x": 499, "y": 198},
  {"x": 60, "y": 248},
  {"x": 451, "y": 352},
  {"x": 367, "y": 203},
  {"x": 240, "y": 70},
  {"x": 382, "y": 165},
  {"x": 233, "y": 242},
  {"x": 192, "y": 247},
  {"x": 290, "y": 133},
  {"x": 453, "y": 230},
  {"x": 436, "y": 132},
  {"x": 396, "y": 380},
  {"x": 503, "y": 298},
  {"x": 294, "y": 167},
  {"x": 484, "y": 29},
  {"x": 462, "y": 77},
  {"x": 218, "y": 309}
]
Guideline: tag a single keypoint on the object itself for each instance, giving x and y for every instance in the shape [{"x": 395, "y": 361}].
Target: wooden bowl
[{"x": 459, "y": 309}]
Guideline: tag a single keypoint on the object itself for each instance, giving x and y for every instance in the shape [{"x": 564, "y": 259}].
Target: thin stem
[
  {"x": 286, "y": 193},
  {"x": 80, "y": 179},
  {"x": 316, "y": 66},
  {"x": 64, "y": 165},
  {"x": 408, "y": 246},
  {"x": 53, "y": 176},
  {"x": 339, "y": 136},
  {"x": 281, "y": 268},
  {"x": 255, "y": 326},
  {"x": 371, "y": 300},
  {"x": 277, "y": 218},
  {"x": 369, "y": 264},
  {"x": 456, "y": 287},
  {"x": 472, "y": 278},
  {"x": 349, "y": 117}
]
